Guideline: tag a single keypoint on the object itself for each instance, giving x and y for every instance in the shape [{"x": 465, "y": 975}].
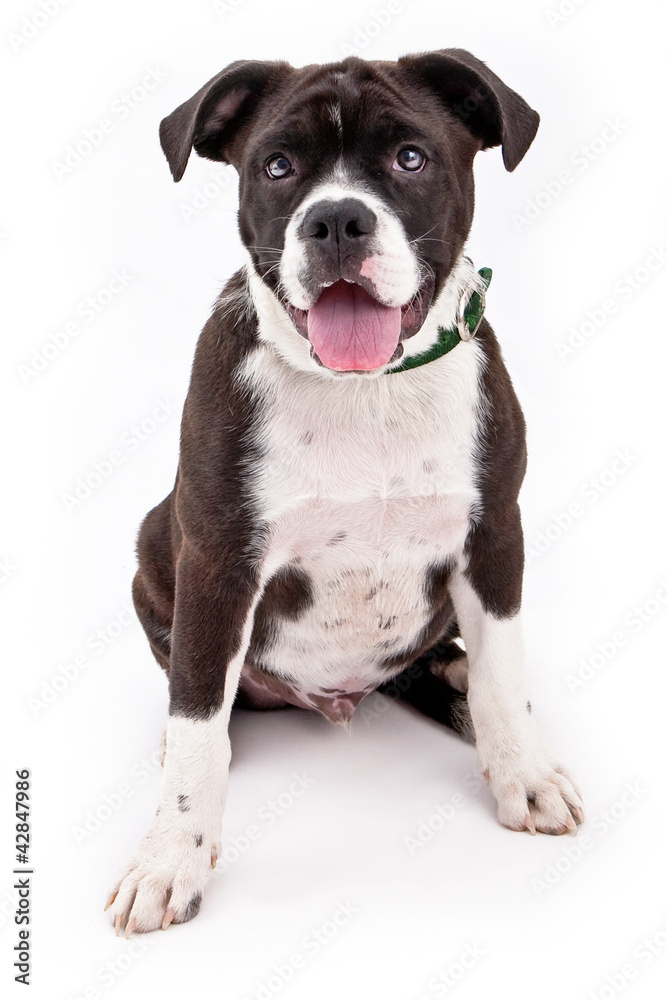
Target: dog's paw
[
  {"x": 164, "y": 881},
  {"x": 535, "y": 794}
]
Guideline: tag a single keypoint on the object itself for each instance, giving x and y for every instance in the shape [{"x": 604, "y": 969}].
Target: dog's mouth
[{"x": 351, "y": 331}]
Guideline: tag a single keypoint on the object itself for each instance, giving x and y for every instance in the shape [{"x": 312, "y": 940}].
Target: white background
[{"x": 67, "y": 573}]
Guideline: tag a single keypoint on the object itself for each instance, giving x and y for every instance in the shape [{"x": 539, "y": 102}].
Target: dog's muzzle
[{"x": 348, "y": 325}]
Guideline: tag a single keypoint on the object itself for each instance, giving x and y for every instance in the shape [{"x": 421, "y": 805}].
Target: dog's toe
[
  {"x": 538, "y": 797},
  {"x": 162, "y": 884}
]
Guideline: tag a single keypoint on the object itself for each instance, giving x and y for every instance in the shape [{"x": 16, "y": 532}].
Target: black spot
[
  {"x": 191, "y": 910},
  {"x": 288, "y": 594},
  {"x": 442, "y": 621},
  {"x": 336, "y": 623},
  {"x": 388, "y": 643},
  {"x": 529, "y": 707},
  {"x": 307, "y": 438},
  {"x": 183, "y": 803},
  {"x": 428, "y": 467},
  {"x": 435, "y": 584},
  {"x": 338, "y": 537},
  {"x": 386, "y": 622},
  {"x": 199, "y": 839}
]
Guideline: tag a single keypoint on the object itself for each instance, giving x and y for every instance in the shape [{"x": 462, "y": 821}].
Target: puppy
[{"x": 352, "y": 449}]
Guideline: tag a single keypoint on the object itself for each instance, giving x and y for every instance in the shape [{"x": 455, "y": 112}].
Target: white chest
[{"x": 365, "y": 485}]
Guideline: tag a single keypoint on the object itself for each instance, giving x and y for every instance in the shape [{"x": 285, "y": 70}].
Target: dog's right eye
[{"x": 279, "y": 166}]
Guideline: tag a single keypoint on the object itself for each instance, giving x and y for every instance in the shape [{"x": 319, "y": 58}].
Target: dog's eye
[
  {"x": 410, "y": 159},
  {"x": 279, "y": 166}
]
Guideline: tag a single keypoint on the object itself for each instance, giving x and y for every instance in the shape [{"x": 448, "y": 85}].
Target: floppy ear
[
  {"x": 479, "y": 98},
  {"x": 212, "y": 118}
]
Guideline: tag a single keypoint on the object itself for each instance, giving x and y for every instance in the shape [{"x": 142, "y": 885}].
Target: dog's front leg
[
  {"x": 534, "y": 792},
  {"x": 164, "y": 880}
]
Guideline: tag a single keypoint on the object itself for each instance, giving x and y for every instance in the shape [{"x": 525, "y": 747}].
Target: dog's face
[{"x": 356, "y": 184}]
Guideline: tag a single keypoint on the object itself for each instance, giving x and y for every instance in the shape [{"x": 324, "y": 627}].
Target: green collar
[{"x": 469, "y": 315}]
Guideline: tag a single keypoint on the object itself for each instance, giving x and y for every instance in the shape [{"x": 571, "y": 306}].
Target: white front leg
[
  {"x": 534, "y": 792},
  {"x": 165, "y": 878}
]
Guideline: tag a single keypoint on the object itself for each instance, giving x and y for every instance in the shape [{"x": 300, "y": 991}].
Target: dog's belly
[
  {"x": 363, "y": 588},
  {"x": 364, "y": 494}
]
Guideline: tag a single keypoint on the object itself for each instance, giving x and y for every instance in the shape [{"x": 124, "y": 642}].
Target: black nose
[{"x": 344, "y": 223}]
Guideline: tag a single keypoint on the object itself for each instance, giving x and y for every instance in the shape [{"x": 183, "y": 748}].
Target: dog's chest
[{"x": 365, "y": 489}]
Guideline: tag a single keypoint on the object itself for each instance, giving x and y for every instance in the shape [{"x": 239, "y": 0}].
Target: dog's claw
[
  {"x": 529, "y": 825},
  {"x": 572, "y": 826},
  {"x": 131, "y": 924},
  {"x": 110, "y": 900},
  {"x": 577, "y": 813},
  {"x": 117, "y": 923},
  {"x": 168, "y": 917},
  {"x": 214, "y": 857}
]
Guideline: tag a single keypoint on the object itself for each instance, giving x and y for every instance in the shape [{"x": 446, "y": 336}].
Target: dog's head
[{"x": 356, "y": 184}]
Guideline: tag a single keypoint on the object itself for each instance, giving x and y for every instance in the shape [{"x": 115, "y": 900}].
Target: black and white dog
[{"x": 351, "y": 452}]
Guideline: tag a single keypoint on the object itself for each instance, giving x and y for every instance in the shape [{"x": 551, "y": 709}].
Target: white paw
[
  {"x": 164, "y": 881},
  {"x": 534, "y": 794}
]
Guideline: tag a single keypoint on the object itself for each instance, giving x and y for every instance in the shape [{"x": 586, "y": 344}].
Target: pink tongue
[{"x": 350, "y": 330}]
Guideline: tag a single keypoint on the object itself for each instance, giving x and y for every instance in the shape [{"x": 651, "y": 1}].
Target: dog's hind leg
[{"x": 436, "y": 685}]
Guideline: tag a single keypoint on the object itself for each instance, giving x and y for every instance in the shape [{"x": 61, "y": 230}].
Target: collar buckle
[{"x": 470, "y": 313}]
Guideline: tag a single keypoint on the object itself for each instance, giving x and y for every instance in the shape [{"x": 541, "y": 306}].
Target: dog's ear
[
  {"x": 489, "y": 109},
  {"x": 214, "y": 116}
]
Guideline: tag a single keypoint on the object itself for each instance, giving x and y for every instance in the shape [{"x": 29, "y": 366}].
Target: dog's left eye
[
  {"x": 410, "y": 159},
  {"x": 279, "y": 166}
]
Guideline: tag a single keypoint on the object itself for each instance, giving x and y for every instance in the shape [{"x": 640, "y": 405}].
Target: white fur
[
  {"x": 388, "y": 462},
  {"x": 174, "y": 860},
  {"x": 336, "y": 115},
  {"x": 396, "y": 270},
  {"x": 513, "y": 756}
]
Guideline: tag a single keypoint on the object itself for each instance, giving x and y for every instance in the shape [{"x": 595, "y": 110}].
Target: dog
[{"x": 352, "y": 448}]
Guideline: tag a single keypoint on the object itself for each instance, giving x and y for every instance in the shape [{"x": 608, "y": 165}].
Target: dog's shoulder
[{"x": 502, "y": 432}]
